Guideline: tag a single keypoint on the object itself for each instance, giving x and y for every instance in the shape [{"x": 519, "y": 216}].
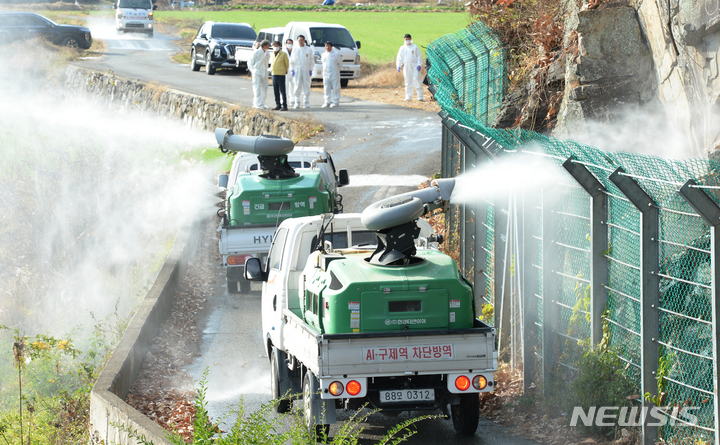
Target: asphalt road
[{"x": 387, "y": 149}]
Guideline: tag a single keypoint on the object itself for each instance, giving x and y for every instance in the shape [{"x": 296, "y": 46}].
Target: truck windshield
[
  {"x": 339, "y": 37},
  {"x": 135, "y": 4},
  {"x": 233, "y": 32}
]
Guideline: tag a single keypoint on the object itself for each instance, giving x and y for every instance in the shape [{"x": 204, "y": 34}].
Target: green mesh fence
[{"x": 468, "y": 74}]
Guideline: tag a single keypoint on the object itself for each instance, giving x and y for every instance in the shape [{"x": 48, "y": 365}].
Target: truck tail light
[
  {"x": 462, "y": 383},
  {"x": 353, "y": 387},
  {"x": 336, "y": 388},
  {"x": 237, "y": 260},
  {"x": 479, "y": 382}
]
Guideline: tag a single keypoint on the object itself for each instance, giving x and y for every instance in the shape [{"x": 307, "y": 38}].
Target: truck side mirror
[
  {"x": 154, "y": 7},
  {"x": 357, "y": 42},
  {"x": 222, "y": 181},
  {"x": 343, "y": 177},
  {"x": 253, "y": 270},
  {"x": 203, "y": 36}
]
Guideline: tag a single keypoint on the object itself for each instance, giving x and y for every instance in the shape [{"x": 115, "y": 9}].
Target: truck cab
[{"x": 135, "y": 16}]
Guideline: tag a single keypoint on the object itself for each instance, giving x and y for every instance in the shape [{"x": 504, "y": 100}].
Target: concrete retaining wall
[
  {"x": 108, "y": 409},
  {"x": 198, "y": 111}
]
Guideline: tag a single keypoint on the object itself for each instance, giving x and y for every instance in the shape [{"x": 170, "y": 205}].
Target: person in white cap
[
  {"x": 331, "y": 76},
  {"x": 409, "y": 60},
  {"x": 301, "y": 65},
  {"x": 259, "y": 70}
]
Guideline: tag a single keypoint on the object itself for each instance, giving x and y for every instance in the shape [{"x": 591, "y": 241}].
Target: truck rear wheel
[
  {"x": 466, "y": 415},
  {"x": 283, "y": 405},
  {"x": 232, "y": 286},
  {"x": 310, "y": 387}
]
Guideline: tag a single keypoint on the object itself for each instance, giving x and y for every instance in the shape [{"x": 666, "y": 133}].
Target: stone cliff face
[{"x": 657, "y": 58}]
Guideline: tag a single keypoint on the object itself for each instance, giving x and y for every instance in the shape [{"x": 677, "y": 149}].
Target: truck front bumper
[{"x": 146, "y": 26}]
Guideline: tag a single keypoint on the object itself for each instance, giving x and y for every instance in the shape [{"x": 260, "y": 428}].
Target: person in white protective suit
[
  {"x": 331, "y": 76},
  {"x": 409, "y": 60},
  {"x": 290, "y": 80},
  {"x": 301, "y": 65},
  {"x": 259, "y": 70}
]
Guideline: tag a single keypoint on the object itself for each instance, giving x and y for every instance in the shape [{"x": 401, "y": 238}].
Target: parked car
[
  {"x": 316, "y": 34},
  {"x": 135, "y": 16},
  {"x": 27, "y": 25},
  {"x": 215, "y": 44},
  {"x": 271, "y": 35}
]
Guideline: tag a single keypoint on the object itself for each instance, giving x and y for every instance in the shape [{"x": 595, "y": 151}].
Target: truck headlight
[
  {"x": 119, "y": 16},
  {"x": 357, "y": 59},
  {"x": 318, "y": 59},
  {"x": 150, "y": 15},
  {"x": 216, "y": 53}
]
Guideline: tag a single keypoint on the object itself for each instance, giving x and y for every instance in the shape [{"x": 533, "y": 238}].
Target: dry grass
[
  {"x": 383, "y": 83},
  {"x": 305, "y": 127},
  {"x": 157, "y": 89}
]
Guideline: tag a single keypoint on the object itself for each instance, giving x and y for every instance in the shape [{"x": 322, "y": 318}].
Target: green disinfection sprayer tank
[{"x": 397, "y": 287}]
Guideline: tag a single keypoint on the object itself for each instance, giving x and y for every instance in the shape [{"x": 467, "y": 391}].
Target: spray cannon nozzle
[
  {"x": 265, "y": 145},
  {"x": 393, "y": 219}
]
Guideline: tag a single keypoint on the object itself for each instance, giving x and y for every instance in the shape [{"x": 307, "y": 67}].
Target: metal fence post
[
  {"x": 530, "y": 283},
  {"x": 598, "y": 244},
  {"x": 501, "y": 304},
  {"x": 649, "y": 290},
  {"x": 710, "y": 212},
  {"x": 550, "y": 310}
]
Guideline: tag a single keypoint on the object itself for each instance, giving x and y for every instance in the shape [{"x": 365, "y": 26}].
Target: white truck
[
  {"x": 355, "y": 312},
  {"x": 135, "y": 16},
  {"x": 264, "y": 202}
]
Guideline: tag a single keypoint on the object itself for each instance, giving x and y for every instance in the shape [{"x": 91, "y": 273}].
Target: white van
[
  {"x": 316, "y": 34},
  {"x": 135, "y": 16}
]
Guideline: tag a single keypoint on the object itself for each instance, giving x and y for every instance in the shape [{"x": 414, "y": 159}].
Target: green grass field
[{"x": 381, "y": 33}]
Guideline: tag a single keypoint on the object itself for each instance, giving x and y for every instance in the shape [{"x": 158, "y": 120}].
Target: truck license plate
[{"x": 407, "y": 395}]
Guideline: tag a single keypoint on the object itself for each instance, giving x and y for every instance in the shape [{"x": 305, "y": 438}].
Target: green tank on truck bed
[
  {"x": 363, "y": 309},
  {"x": 270, "y": 181},
  {"x": 429, "y": 294}
]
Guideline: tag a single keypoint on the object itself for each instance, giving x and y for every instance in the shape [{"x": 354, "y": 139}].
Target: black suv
[
  {"x": 27, "y": 25},
  {"x": 215, "y": 42}
]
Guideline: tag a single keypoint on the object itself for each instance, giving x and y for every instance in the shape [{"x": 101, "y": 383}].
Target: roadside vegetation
[{"x": 265, "y": 426}]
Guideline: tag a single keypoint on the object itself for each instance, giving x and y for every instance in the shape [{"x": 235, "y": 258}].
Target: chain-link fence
[{"x": 623, "y": 247}]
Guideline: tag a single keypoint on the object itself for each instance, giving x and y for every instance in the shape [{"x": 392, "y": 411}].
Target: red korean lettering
[
  {"x": 447, "y": 350},
  {"x": 393, "y": 354},
  {"x": 402, "y": 352},
  {"x": 437, "y": 351},
  {"x": 427, "y": 352},
  {"x": 382, "y": 353},
  {"x": 417, "y": 352}
]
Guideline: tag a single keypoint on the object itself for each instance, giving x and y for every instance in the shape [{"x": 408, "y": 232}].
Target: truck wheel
[
  {"x": 320, "y": 432},
  {"x": 466, "y": 415},
  {"x": 232, "y": 286},
  {"x": 283, "y": 405},
  {"x": 344, "y": 83},
  {"x": 244, "y": 287}
]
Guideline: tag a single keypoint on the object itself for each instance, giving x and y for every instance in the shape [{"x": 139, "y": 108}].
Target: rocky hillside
[{"x": 626, "y": 74}]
